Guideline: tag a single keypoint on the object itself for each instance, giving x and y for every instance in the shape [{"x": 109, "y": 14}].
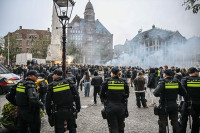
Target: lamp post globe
[{"x": 64, "y": 10}]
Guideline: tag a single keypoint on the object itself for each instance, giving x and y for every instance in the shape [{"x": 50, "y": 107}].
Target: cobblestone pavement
[{"x": 140, "y": 120}]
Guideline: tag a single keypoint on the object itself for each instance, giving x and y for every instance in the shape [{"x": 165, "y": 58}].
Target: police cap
[
  {"x": 168, "y": 72},
  {"x": 115, "y": 70},
  {"x": 58, "y": 72},
  {"x": 33, "y": 72},
  {"x": 192, "y": 70}
]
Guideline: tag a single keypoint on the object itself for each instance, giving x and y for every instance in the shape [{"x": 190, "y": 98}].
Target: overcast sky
[{"x": 123, "y": 18}]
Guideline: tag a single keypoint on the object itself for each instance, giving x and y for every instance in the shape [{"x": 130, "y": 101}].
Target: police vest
[
  {"x": 158, "y": 73},
  {"x": 115, "y": 91},
  {"x": 21, "y": 96},
  {"x": 193, "y": 88},
  {"x": 171, "y": 90},
  {"x": 62, "y": 94}
]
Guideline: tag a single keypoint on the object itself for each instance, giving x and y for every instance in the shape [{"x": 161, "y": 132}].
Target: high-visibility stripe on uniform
[
  {"x": 20, "y": 90},
  {"x": 158, "y": 73},
  {"x": 193, "y": 85},
  {"x": 116, "y": 86},
  {"x": 171, "y": 86},
  {"x": 59, "y": 88}
]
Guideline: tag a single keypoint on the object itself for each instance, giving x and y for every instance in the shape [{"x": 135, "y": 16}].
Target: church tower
[{"x": 89, "y": 14}]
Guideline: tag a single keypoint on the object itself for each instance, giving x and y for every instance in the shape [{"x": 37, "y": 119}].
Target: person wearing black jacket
[
  {"x": 60, "y": 100},
  {"x": 96, "y": 81},
  {"x": 114, "y": 95},
  {"x": 192, "y": 85},
  {"x": 168, "y": 89},
  {"x": 25, "y": 96},
  {"x": 133, "y": 76}
]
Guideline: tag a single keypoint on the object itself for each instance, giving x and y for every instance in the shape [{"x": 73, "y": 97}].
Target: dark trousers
[
  {"x": 42, "y": 97},
  {"x": 140, "y": 98},
  {"x": 116, "y": 117},
  {"x": 96, "y": 91},
  {"x": 65, "y": 115},
  {"x": 78, "y": 81},
  {"x": 28, "y": 123},
  {"x": 163, "y": 122}
]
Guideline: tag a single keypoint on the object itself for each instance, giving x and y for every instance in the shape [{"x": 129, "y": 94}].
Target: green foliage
[
  {"x": 39, "y": 48},
  {"x": 192, "y": 5},
  {"x": 13, "y": 48},
  {"x": 9, "y": 113}
]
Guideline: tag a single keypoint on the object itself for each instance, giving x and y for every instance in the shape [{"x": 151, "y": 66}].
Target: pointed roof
[
  {"x": 100, "y": 28},
  {"x": 89, "y": 6}
]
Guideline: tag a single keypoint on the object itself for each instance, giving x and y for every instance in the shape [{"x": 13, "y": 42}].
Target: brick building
[
  {"x": 30, "y": 41},
  {"x": 94, "y": 40}
]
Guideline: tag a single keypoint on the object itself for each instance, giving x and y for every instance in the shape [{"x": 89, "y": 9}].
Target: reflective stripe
[
  {"x": 171, "y": 86},
  {"x": 21, "y": 86},
  {"x": 61, "y": 89},
  {"x": 193, "y": 85},
  {"x": 116, "y": 86},
  {"x": 20, "y": 90},
  {"x": 158, "y": 73},
  {"x": 194, "y": 82},
  {"x": 58, "y": 86}
]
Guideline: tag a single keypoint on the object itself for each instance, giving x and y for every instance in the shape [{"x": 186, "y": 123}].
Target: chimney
[
  {"x": 139, "y": 31},
  {"x": 20, "y": 27},
  {"x": 48, "y": 29},
  {"x": 153, "y": 26}
]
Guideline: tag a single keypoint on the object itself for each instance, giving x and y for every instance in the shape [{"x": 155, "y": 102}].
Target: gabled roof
[{"x": 100, "y": 28}]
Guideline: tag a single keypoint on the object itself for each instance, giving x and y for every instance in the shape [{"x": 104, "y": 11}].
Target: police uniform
[
  {"x": 25, "y": 96},
  {"x": 114, "y": 93},
  {"x": 62, "y": 93},
  {"x": 192, "y": 86},
  {"x": 167, "y": 90}
]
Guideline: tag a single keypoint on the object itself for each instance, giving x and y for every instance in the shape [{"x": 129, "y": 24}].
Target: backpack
[{"x": 42, "y": 87}]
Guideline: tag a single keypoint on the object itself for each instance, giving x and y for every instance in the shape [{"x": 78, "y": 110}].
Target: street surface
[{"x": 140, "y": 120}]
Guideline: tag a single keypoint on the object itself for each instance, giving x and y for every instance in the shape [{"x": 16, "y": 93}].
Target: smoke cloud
[{"x": 179, "y": 55}]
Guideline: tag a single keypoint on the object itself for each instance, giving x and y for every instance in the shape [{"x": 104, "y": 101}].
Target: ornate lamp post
[{"x": 64, "y": 10}]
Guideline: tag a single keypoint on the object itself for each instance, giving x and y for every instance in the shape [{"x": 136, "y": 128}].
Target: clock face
[{"x": 76, "y": 24}]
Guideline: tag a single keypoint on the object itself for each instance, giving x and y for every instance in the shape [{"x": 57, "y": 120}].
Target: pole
[
  {"x": 64, "y": 52},
  {"x": 8, "y": 48}
]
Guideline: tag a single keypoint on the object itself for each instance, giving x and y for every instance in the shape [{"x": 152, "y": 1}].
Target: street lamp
[{"x": 64, "y": 10}]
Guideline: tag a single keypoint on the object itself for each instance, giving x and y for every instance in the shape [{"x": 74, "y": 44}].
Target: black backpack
[{"x": 42, "y": 87}]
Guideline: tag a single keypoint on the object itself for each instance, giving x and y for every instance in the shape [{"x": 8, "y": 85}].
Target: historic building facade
[
  {"x": 29, "y": 41},
  {"x": 94, "y": 40}
]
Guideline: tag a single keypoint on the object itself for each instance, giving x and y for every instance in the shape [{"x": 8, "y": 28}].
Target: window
[
  {"x": 32, "y": 42},
  {"x": 27, "y": 50},
  {"x": 27, "y": 42},
  {"x": 20, "y": 42}
]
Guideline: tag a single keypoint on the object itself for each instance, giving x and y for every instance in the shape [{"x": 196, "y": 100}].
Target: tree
[
  {"x": 192, "y": 4},
  {"x": 13, "y": 48},
  {"x": 39, "y": 48},
  {"x": 74, "y": 50}
]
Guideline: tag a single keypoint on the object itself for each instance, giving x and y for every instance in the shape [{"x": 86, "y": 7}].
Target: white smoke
[{"x": 179, "y": 55}]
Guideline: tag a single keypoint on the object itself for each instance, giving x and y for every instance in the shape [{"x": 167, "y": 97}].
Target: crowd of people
[{"x": 178, "y": 89}]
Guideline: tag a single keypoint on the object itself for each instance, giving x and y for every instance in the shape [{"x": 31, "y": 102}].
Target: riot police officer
[
  {"x": 168, "y": 89},
  {"x": 25, "y": 96},
  {"x": 114, "y": 95},
  {"x": 192, "y": 103},
  {"x": 60, "y": 106}
]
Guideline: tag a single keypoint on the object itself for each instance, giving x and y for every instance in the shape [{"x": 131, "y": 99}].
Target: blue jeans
[{"x": 87, "y": 88}]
